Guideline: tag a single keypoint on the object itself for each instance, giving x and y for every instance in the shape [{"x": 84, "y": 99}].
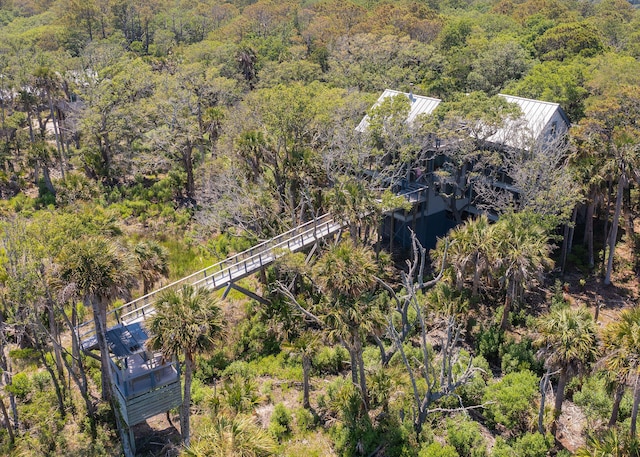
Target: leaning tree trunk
[
  {"x": 56, "y": 382},
  {"x": 565, "y": 247},
  {"x": 544, "y": 386},
  {"x": 562, "y": 384},
  {"x": 185, "y": 411},
  {"x": 508, "y": 301},
  {"x": 614, "y": 229},
  {"x": 187, "y": 163},
  {"x": 607, "y": 211},
  {"x": 363, "y": 378},
  {"x": 105, "y": 360},
  {"x": 7, "y": 422},
  {"x": 306, "y": 369},
  {"x": 588, "y": 229},
  {"x": 567, "y": 243},
  {"x": 617, "y": 398},
  {"x": 476, "y": 275},
  {"x": 5, "y": 370},
  {"x": 629, "y": 222},
  {"x": 353, "y": 357},
  {"x": 57, "y": 135},
  {"x": 76, "y": 369},
  {"x": 54, "y": 334}
]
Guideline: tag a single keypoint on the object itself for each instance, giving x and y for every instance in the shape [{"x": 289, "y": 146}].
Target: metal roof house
[
  {"x": 419, "y": 105},
  {"x": 540, "y": 124}
]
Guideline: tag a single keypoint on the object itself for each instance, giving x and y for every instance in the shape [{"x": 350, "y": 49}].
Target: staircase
[{"x": 219, "y": 275}]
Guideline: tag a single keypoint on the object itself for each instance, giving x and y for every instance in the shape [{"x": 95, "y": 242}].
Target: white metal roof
[
  {"x": 536, "y": 115},
  {"x": 419, "y": 105}
]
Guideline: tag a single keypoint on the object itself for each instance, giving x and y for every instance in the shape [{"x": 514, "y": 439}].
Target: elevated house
[{"x": 430, "y": 217}]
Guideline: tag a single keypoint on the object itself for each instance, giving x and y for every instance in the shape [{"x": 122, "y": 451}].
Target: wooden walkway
[{"x": 221, "y": 274}]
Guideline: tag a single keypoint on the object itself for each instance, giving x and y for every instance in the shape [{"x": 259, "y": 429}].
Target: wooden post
[{"x": 132, "y": 440}]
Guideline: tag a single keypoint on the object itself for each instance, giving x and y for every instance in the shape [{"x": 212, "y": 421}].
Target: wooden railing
[
  {"x": 155, "y": 375},
  {"x": 415, "y": 193},
  {"x": 222, "y": 273}
]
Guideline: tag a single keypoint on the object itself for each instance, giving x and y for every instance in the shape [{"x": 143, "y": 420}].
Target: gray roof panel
[
  {"x": 419, "y": 105},
  {"x": 536, "y": 115}
]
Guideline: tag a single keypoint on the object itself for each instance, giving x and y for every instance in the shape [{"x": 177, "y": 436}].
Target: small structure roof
[
  {"x": 126, "y": 340},
  {"x": 419, "y": 105},
  {"x": 536, "y": 115}
]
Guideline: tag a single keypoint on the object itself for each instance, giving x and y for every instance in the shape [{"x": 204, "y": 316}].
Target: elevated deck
[
  {"x": 146, "y": 386},
  {"x": 141, "y": 373},
  {"x": 415, "y": 192}
]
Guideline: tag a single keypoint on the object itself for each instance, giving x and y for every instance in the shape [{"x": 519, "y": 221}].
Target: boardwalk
[{"x": 221, "y": 274}]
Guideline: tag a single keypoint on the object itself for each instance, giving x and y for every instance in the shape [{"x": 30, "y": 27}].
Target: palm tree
[
  {"x": 153, "y": 261},
  {"x": 186, "y": 323},
  {"x": 101, "y": 271},
  {"x": 352, "y": 203},
  {"x": 568, "y": 342},
  {"x": 621, "y": 341},
  {"x": 609, "y": 444},
  {"x": 521, "y": 251},
  {"x": 469, "y": 251},
  {"x": 346, "y": 276},
  {"x": 239, "y": 436}
]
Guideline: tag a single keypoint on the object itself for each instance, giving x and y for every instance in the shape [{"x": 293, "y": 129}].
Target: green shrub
[
  {"x": 473, "y": 390},
  {"x": 528, "y": 445},
  {"x": 414, "y": 356},
  {"x": 512, "y": 400},
  {"x": 41, "y": 379},
  {"x": 305, "y": 419},
  {"x": 594, "y": 399},
  {"x": 532, "y": 445},
  {"x": 199, "y": 392},
  {"x": 502, "y": 449},
  {"x": 280, "y": 424},
  {"x": 27, "y": 354},
  {"x": 464, "y": 435},
  {"x": 255, "y": 337},
  {"x": 380, "y": 385},
  {"x": 239, "y": 367},
  {"x": 278, "y": 366},
  {"x": 240, "y": 393},
  {"x": 20, "y": 386},
  {"x": 330, "y": 360},
  {"x": 213, "y": 365},
  {"x": 371, "y": 355},
  {"x": 436, "y": 449},
  {"x": 518, "y": 356},
  {"x": 489, "y": 342}
]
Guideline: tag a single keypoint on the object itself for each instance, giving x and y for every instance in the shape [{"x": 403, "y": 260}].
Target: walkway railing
[{"x": 222, "y": 273}]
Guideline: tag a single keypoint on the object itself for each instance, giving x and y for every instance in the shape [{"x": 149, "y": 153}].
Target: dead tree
[{"x": 437, "y": 371}]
